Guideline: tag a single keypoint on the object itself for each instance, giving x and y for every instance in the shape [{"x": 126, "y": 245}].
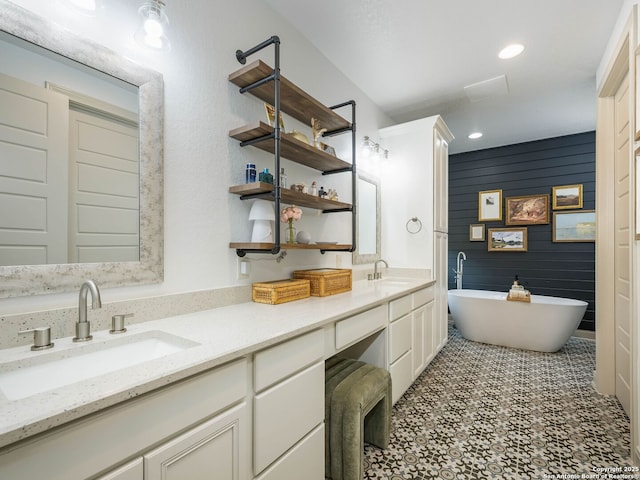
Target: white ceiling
[{"x": 413, "y": 58}]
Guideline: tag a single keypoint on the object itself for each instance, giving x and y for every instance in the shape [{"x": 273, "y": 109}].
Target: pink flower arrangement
[{"x": 290, "y": 214}]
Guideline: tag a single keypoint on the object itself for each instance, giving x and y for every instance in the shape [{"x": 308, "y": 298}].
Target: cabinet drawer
[
  {"x": 399, "y": 337},
  {"x": 360, "y": 326},
  {"x": 400, "y": 307},
  {"x": 424, "y": 296},
  {"x": 278, "y": 362},
  {"x": 305, "y": 460},
  {"x": 285, "y": 413},
  {"x": 401, "y": 376}
]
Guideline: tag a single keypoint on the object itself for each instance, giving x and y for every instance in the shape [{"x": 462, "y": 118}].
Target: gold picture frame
[
  {"x": 527, "y": 210},
  {"x": 578, "y": 226},
  {"x": 476, "y": 232},
  {"x": 567, "y": 197},
  {"x": 507, "y": 239},
  {"x": 490, "y": 205}
]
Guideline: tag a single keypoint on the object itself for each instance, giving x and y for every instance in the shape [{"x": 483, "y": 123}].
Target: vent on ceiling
[{"x": 487, "y": 88}]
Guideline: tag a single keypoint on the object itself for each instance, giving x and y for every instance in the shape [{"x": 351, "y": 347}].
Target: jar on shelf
[
  {"x": 250, "y": 173},
  {"x": 265, "y": 176}
]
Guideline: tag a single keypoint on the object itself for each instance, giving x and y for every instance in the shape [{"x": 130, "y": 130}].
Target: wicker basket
[
  {"x": 326, "y": 281},
  {"x": 280, "y": 291}
]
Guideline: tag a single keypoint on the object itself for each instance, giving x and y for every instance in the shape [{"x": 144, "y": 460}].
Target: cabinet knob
[{"x": 41, "y": 338}]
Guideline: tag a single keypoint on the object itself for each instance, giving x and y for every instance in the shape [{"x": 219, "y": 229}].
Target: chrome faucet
[
  {"x": 83, "y": 327},
  {"x": 459, "y": 269},
  {"x": 376, "y": 274}
]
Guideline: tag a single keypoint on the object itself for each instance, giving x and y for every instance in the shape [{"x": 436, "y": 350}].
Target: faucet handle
[
  {"x": 117, "y": 323},
  {"x": 41, "y": 338}
]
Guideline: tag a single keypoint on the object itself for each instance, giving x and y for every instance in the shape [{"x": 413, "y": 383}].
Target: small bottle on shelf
[
  {"x": 250, "y": 173},
  {"x": 265, "y": 176},
  {"x": 283, "y": 178}
]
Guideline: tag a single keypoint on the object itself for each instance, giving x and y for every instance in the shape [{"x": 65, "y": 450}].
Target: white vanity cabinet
[
  {"x": 288, "y": 441},
  {"x": 411, "y": 338},
  {"x": 210, "y": 407}
]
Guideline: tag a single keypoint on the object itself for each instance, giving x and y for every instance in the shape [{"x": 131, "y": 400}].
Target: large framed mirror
[
  {"x": 37, "y": 253},
  {"x": 368, "y": 220}
]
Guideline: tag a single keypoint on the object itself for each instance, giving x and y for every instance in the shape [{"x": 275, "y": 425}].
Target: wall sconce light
[
  {"x": 154, "y": 25},
  {"x": 373, "y": 149}
]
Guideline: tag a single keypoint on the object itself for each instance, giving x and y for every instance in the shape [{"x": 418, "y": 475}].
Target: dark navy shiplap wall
[{"x": 547, "y": 268}]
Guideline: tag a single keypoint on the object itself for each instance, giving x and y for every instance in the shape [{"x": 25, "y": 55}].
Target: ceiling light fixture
[
  {"x": 475, "y": 135},
  {"x": 511, "y": 51},
  {"x": 154, "y": 25}
]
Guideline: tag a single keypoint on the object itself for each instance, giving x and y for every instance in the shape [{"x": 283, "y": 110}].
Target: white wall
[{"x": 201, "y": 161}]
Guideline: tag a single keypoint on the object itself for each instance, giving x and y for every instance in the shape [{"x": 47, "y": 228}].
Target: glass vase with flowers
[{"x": 288, "y": 215}]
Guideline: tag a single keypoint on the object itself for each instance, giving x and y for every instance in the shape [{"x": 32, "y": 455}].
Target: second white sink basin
[{"x": 44, "y": 372}]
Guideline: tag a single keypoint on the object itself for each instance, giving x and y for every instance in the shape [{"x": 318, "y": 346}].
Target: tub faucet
[
  {"x": 377, "y": 275},
  {"x": 83, "y": 327},
  {"x": 459, "y": 269}
]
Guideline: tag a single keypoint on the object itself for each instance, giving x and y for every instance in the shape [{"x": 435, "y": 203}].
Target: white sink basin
[{"x": 43, "y": 372}]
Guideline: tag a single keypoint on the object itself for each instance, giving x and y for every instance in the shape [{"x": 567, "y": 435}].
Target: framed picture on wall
[
  {"x": 574, "y": 226},
  {"x": 490, "y": 205},
  {"x": 476, "y": 232},
  {"x": 527, "y": 210},
  {"x": 507, "y": 239},
  {"x": 567, "y": 197}
]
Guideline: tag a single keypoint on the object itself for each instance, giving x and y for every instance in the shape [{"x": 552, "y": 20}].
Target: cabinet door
[
  {"x": 419, "y": 339},
  {"x": 440, "y": 260},
  {"x": 130, "y": 471},
  {"x": 429, "y": 332},
  {"x": 218, "y": 448},
  {"x": 441, "y": 180}
]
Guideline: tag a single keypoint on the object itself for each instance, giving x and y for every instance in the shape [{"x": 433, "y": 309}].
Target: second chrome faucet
[{"x": 83, "y": 326}]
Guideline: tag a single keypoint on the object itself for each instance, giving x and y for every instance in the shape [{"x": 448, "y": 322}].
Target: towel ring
[{"x": 417, "y": 228}]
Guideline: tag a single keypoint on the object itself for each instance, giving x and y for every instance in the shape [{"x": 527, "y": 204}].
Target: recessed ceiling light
[
  {"x": 511, "y": 51},
  {"x": 475, "y": 135}
]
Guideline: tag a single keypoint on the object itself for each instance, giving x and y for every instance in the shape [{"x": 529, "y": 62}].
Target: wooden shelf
[
  {"x": 265, "y": 191},
  {"x": 290, "y": 148},
  {"x": 289, "y": 246},
  {"x": 293, "y": 100}
]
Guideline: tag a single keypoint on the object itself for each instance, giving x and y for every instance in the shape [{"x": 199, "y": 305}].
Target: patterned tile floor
[{"x": 486, "y": 412}]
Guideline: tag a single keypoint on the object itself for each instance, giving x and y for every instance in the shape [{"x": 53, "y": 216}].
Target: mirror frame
[
  {"x": 23, "y": 280},
  {"x": 357, "y": 258}
]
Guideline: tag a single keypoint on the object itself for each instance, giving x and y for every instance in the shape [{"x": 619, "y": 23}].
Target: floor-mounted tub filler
[{"x": 544, "y": 324}]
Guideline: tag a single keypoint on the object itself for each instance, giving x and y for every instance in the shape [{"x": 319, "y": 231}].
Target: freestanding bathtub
[{"x": 544, "y": 325}]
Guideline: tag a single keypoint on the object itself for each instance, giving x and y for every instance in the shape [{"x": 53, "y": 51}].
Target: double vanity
[{"x": 239, "y": 388}]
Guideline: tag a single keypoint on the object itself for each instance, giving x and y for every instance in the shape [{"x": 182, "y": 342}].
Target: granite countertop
[{"x": 220, "y": 335}]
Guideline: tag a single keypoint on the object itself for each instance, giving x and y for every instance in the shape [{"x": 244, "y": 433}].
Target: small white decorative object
[
  {"x": 303, "y": 237},
  {"x": 262, "y": 215}
]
